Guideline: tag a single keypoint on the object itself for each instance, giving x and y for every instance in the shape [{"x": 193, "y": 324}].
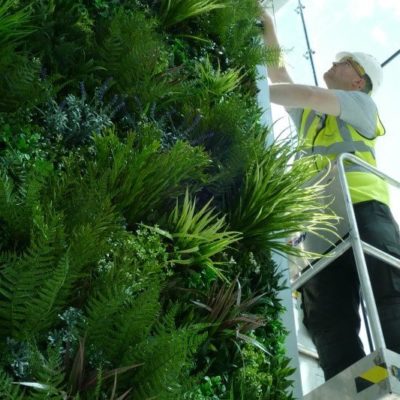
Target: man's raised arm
[{"x": 276, "y": 73}]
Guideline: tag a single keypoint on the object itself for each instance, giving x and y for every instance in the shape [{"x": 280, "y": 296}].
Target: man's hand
[
  {"x": 276, "y": 73},
  {"x": 266, "y": 17},
  {"x": 302, "y": 96}
]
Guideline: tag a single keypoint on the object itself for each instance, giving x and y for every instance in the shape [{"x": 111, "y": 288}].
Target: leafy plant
[
  {"x": 8, "y": 389},
  {"x": 275, "y": 202},
  {"x": 197, "y": 236},
  {"x": 63, "y": 40},
  {"x": 215, "y": 82},
  {"x": 210, "y": 388},
  {"x": 229, "y": 316},
  {"x": 140, "y": 180},
  {"x": 73, "y": 122},
  {"x": 262, "y": 377},
  {"x": 173, "y": 12},
  {"x": 14, "y": 23},
  {"x": 134, "y": 54}
]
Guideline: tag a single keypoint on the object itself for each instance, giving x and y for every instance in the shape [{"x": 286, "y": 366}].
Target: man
[{"x": 344, "y": 118}]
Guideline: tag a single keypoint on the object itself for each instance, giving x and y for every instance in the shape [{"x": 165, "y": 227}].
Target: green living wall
[{"x": 139, "y": 205}]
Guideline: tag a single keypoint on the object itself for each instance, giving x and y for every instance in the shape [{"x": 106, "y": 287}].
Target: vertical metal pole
[
  {"x": 309, "y": 51},
  {"x": 365, "y": 282}
]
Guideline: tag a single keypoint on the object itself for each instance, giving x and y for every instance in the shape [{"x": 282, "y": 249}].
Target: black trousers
[{"x": 331, "y": 299}]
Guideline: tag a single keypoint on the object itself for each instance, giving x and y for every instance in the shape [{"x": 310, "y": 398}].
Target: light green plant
[
  {"x": 173, "y": 12},
  {"x": 275, "y": 201},
  {"x": 216, "y": 82},
  {"x": 198, "y": 235}
]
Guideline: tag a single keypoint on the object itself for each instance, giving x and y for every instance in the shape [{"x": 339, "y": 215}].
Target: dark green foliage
[
  {"x": 20, "y": 84},
  {"x": 21, "y": 144},
  {"x": 134, "y": 54},
  {"x": 174, "y": 348},
  {"x": 76, "y": 120},
  {"x": 236, "y": 32},
  {"x": 139, "y": 205},
  {"x": 63, "y": 39},
  {"x": 210, "y": 388},
  {"x": 8, "y": 389},
  {"x": 13, "y": 23},
  {"x": 140, "y": 181}
]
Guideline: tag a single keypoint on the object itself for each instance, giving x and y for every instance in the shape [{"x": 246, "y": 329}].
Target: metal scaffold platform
[{"x": 375, "y": 377}]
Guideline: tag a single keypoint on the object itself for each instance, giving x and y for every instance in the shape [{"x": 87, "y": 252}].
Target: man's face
[{"x": 345, "y": 74}]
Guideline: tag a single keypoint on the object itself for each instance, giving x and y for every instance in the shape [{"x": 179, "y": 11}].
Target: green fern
[
  {"x": 237, "y": 35},
  {"x": 50, "y": 297},
  {"x": 32, "y": 282},
  {"x": 9, "y": 390},
  {"x": 134, "y": 54},
  {"x": 48, "y": 374},
  {"x": 166, "y": 359},
  {"x": 20, "y": 205},
  {"x": 20, "y": 84},
  {"x": 116, "y": 321},
  {"x": 63, "y": 39}
]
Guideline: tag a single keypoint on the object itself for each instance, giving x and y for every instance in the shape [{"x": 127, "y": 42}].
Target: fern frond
[
  {"x": 167, "y": 359},
  {"x": 48, "y": 373},
  {"x": 20, "y": 84},
  {"x": 50, "y": 297},
  {"x": 22, "y": 280},
  {"x": 115, "y": 321},
  {"x": 8, "y": 389}
]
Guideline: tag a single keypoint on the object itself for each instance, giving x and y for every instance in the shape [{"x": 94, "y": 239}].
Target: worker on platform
[{"x": 344, "y": 119}]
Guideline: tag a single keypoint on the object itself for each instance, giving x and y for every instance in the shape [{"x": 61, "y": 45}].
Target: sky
[{"x": 371, "y": 26}]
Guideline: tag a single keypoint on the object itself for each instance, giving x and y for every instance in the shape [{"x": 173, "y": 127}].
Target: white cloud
[
  {"x": 379, "y": 35},
  {"x": 392, "y": 5},
  {"x": 360, "y": 9}
]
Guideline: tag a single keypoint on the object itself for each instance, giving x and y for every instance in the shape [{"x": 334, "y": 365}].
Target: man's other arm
[{"x": 302, "y": 96}]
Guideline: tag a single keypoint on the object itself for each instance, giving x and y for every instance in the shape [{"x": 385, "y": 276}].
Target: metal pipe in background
[{"x": 391, "y": 58}]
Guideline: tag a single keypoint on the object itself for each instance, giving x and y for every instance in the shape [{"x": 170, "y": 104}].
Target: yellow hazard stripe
[{"x": 375, "y": 374}]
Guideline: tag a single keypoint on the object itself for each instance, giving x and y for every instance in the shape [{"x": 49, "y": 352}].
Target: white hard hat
[{"x": 370, "y": 64}]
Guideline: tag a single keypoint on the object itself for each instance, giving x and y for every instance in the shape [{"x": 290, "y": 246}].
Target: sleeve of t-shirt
[{"x": 359, "y": 110}]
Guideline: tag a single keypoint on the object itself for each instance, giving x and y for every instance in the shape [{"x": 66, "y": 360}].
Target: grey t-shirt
[{"x": 356, "y": 108}]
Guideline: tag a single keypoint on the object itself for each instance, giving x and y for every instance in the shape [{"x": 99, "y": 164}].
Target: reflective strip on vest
[
  {"x": 341, "y": 147},
  {"x": 338, "y": 137}
]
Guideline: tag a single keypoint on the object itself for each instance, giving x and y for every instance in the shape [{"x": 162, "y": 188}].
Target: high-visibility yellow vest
[{"x": 326, "y": 137}]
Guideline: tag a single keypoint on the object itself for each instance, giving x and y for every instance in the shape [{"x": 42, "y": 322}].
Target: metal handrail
[{"x": 360, "y": 248}]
